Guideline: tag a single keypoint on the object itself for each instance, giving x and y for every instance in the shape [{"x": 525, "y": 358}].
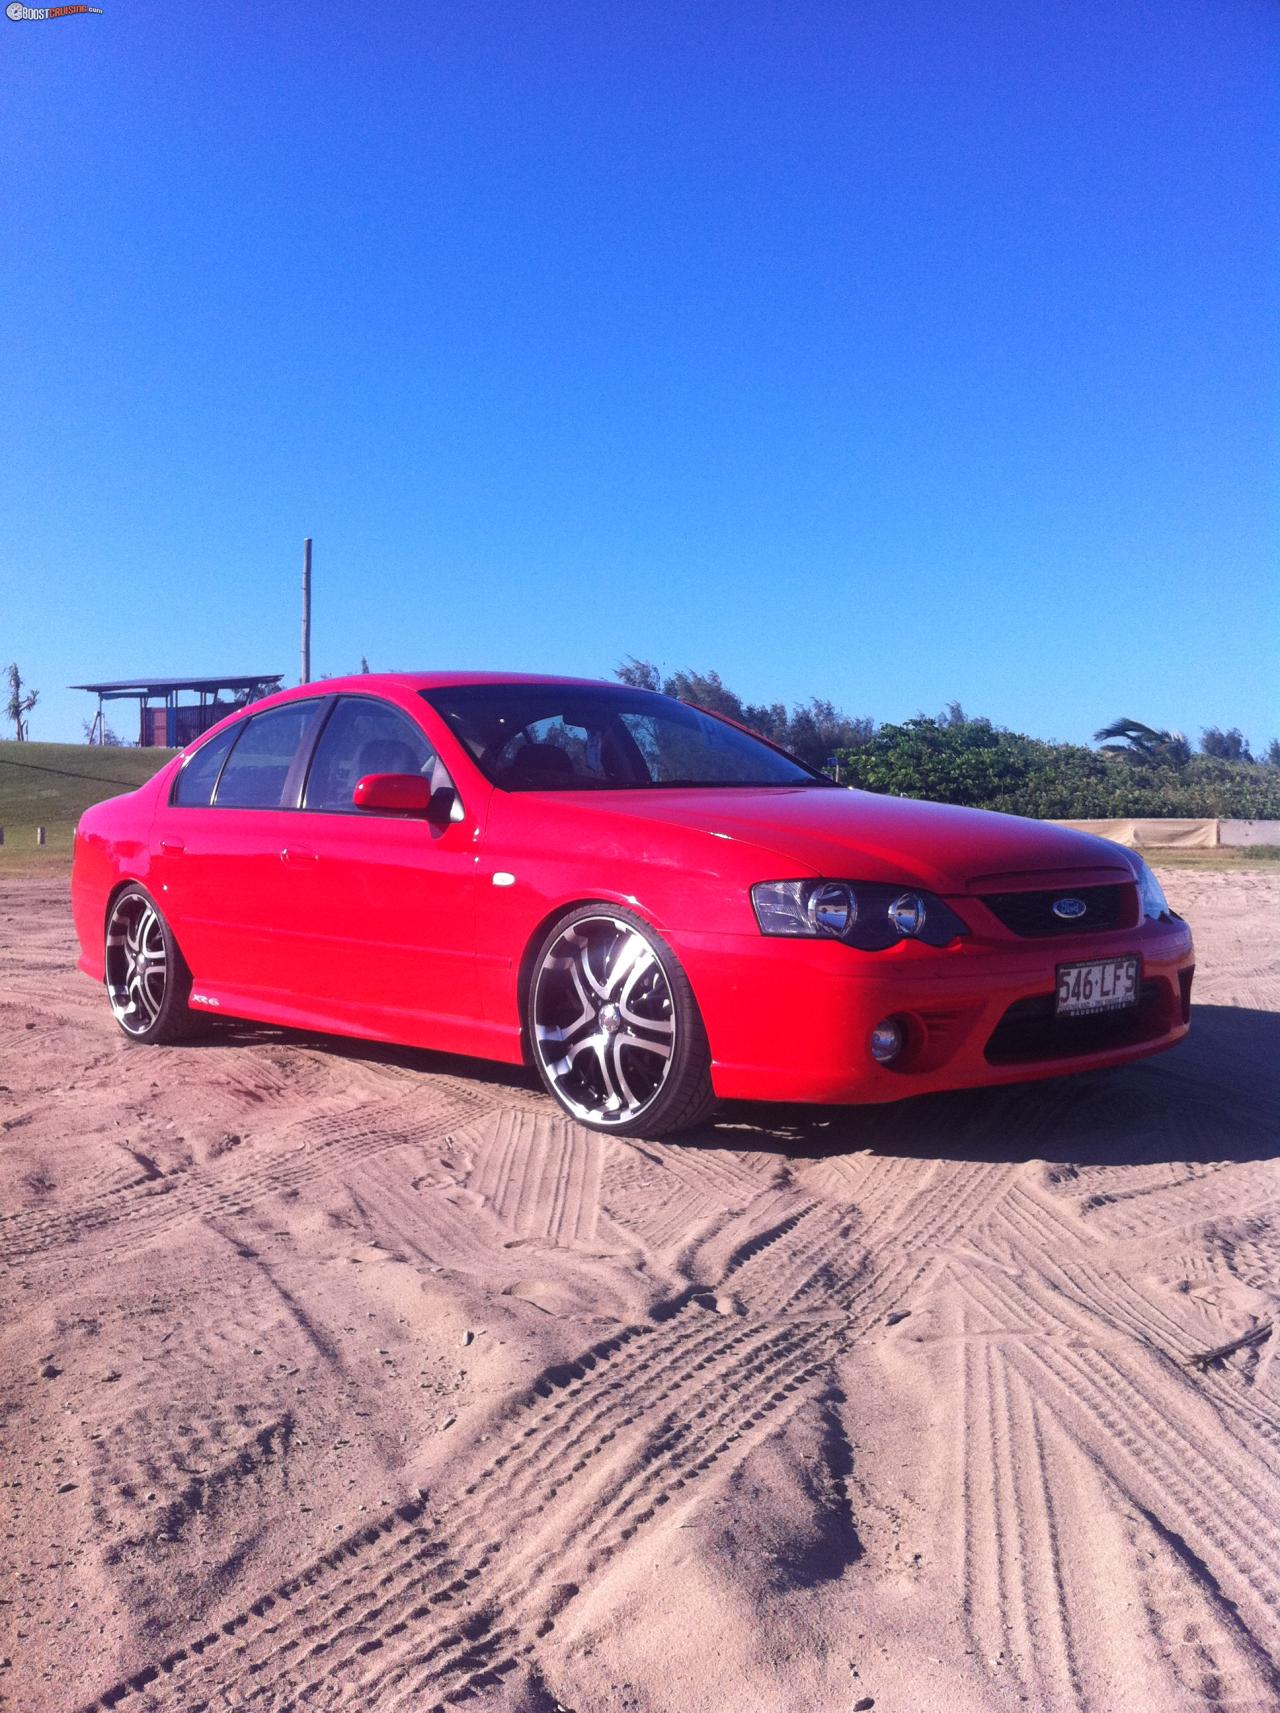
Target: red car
[{"x": 653, "y": 906}]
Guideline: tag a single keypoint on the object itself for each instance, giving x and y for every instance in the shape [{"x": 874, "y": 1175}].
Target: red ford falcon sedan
[{"x": 654, "y": 907}]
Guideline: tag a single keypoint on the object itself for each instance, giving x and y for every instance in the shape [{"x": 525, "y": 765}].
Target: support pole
[{"x": 306, "y": 612}]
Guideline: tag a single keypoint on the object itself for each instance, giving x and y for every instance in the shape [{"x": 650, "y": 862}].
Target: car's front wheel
[
  {"x": 614, "y": 1028},
  {"x": 147, "y": 978}
]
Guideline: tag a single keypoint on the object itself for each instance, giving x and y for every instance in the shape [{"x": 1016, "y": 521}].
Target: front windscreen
[{"x": 550, "y": 737}]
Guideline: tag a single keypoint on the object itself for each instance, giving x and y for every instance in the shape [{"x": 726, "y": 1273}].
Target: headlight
[
  {"x": 832, "y": 908},
  {"x": 865, "y": 914},
  {"x": 1155, "y": 906},
  {"x": 909, "y": 913}
]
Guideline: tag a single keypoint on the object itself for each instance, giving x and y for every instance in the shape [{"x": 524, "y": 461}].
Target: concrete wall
[{"x": 1249, "y": 832}]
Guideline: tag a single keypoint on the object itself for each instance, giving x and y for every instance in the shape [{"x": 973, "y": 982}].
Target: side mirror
[{"x": 394, "y": 793}]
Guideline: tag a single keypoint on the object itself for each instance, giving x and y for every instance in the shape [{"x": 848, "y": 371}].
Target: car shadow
[
  {"x": 1214, "y": 1097},
  {"x": 239, "y": 1032}
]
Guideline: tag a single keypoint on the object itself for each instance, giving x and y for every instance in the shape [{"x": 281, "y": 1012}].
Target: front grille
[
  {"x": 1031, "y": 913},
  {"x": 1030, "y": 1030}
]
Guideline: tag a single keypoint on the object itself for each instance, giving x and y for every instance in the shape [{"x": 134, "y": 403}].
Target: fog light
[{"x": 886, "y": 1041}]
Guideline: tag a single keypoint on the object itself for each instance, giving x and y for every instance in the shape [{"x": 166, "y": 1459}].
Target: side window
[
  {"x": 363, "y": 736},
  {"x": 199, "y": 774},
  {"x": 258, "y": 767}
]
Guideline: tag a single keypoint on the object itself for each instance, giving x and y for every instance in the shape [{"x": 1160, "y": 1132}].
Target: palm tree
[
  {"x": 1145, "y": 743},
  {"x": 18, "y": 705}
]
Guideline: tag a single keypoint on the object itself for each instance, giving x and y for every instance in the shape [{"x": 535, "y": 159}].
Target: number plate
[{"x": 1109, "y": 984}]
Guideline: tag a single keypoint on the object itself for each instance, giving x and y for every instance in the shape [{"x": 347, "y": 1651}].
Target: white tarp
[{"x": 1154, "y": 834}]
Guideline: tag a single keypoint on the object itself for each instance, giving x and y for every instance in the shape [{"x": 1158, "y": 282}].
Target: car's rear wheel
[
  {"x": 614, "y": 1028},
  {"x": 147, "y": 978}
]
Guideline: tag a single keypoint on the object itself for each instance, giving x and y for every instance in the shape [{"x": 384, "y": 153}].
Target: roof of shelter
[{"x": 160, "y": 686}]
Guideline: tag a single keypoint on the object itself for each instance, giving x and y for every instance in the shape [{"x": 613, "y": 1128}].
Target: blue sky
[{"x": 887, "y": 351}]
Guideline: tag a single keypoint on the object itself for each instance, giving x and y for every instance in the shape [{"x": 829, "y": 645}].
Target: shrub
[{"x": 975, "y": 763}]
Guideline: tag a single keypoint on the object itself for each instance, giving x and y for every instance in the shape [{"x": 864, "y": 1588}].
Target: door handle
[
  {"x": 173, "y": 847},
  {"x": 295, "y": 854}
]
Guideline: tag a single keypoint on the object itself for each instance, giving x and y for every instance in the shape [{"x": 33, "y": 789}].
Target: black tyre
[
  {"x": 147, "y": 979},
  {"x": 613, "y": 1027}
]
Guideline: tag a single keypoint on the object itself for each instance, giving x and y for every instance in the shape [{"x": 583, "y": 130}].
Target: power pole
[{"x": 306, "y": 612}]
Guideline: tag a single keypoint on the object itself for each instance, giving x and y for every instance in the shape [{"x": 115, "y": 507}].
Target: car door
[
  {"x": 225, "y": 848},
  {"x": 391, "y": 898}
]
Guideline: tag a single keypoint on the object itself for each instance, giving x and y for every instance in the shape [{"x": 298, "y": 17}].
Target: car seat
[
  {"x": 541, "y": 766},
  {"x": 386, "y": 755}
]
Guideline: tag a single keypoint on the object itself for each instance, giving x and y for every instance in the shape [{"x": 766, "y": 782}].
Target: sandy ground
[{"x": 338, "y": 1378}]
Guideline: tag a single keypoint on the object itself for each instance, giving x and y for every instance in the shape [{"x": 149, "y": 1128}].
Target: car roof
[
  {"x": 372, "y": 682},
  {"x": 436, "y": 681}
]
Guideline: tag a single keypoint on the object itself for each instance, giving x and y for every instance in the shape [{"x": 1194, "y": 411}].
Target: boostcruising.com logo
[{"x": 19, "y": 13}]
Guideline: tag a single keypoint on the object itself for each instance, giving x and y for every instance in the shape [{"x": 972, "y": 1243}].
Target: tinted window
[
  {"x": 551, "y": 737},
  {"x": 258, "y": 768},
  {"x": 200, "y": 774},
  {"x": 362, "y": 737}
]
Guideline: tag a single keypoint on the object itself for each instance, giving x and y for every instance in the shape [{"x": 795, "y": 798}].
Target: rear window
[
  {"x": 258, "y": 768},
  {"x": 200, "y": 772}
]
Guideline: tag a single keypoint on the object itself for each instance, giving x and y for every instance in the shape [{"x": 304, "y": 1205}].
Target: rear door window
[
  {"x": 363, "y": 736},
  {"x": 199, "y": 775},
  {"x": 258, "y": 768}
]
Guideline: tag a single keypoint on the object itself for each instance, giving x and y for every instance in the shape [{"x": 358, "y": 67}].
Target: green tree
[
  {"x": 639, "y": 674},
  {"x": 1145, "y": 743},
  {"x": 101, "y": 733},
  {"x": 817, "y": 731},
  {"x": 814, "y": 731},
  {"x": 1225, "y": 746}
]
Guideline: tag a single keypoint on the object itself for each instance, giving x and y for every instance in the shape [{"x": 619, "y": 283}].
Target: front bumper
[{"x": 789, "y": 1020}]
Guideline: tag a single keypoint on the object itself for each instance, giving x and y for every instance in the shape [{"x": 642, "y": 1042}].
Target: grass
[
  {"x": 51, "y": 785},
  {"x": 1228, "y": 857}
]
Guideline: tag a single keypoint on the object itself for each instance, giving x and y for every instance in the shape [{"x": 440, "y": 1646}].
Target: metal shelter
[{"x": 173, "y": 723}]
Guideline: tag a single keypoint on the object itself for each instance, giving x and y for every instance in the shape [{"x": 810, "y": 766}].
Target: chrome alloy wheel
[
  {"x": 603, "y": 1020},
  {"x": 137, "y": 963}
]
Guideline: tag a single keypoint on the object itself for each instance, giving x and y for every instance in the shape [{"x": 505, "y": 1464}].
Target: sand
[{"x": 338, "y": 1377}]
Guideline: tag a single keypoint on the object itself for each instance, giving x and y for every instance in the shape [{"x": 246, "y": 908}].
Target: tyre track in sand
[
  {"x": 1117, "y": 1541},
  {"x": 1096, "y": 1392},
  {"x": 611, "y": 1439},
  {"x": 1085, "y": 1273},
  {"x": 722, "y": 1427},
  {"x": 153, "y": 1205},
  {"x": 540, "y": 1175}
]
